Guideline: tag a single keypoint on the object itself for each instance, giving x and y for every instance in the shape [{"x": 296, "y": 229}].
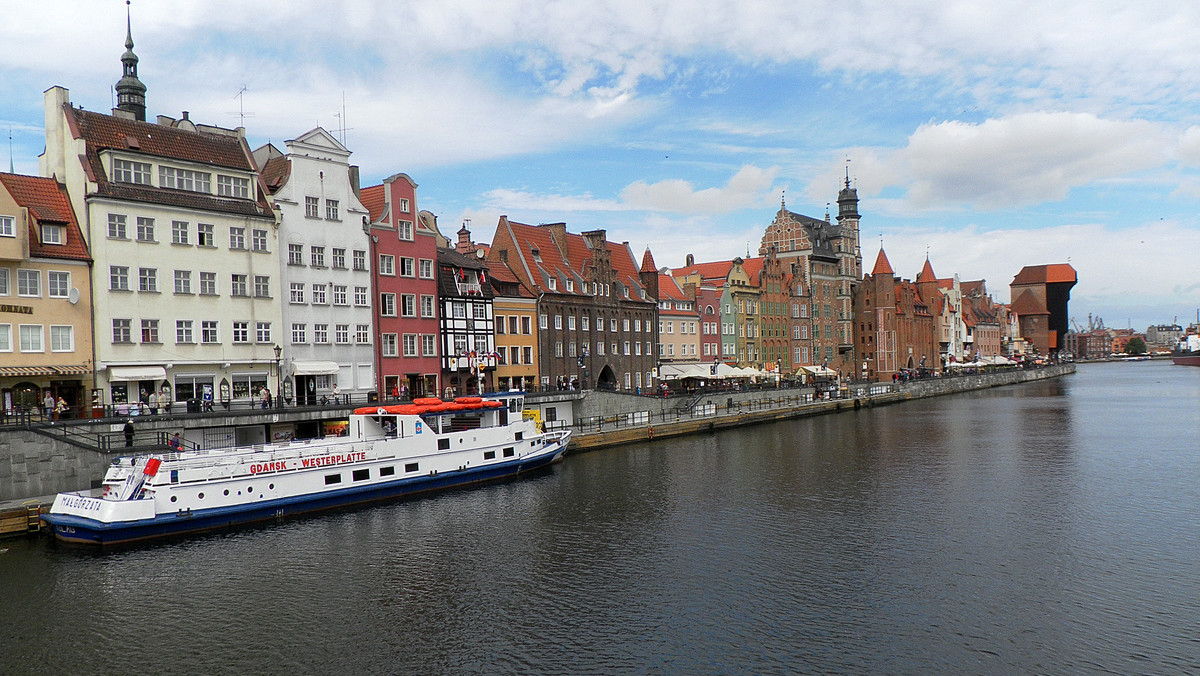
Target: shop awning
[
  {"x": 116, "y": 373},
  {"x": 315, "y": 368},
  {"x": 26, "y": 371},
  {"x": 73, "y": 370}
]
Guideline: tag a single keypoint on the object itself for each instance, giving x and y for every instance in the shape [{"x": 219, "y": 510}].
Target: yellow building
[
  {"x": 515, "y": 310},
  {"x": 45, "y": 299}
]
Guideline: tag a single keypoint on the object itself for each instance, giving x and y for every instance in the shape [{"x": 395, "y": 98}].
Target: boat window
[
  {"x": 174, "y": 498},
  {"x": 489, "y": 455},
  {"x": 443, "y": 444},
  {"x": 362, "y": 474},
  {"x": 201, "y": 496},
  {"x": 411, "y": 467},
  {"x": 520, "y": 436},
  {"x": 333, "y": 479},
  {"x": 387, "y": 471},
  {"x": 226, "y": 491},
  {"x": 508, "y": 452}
]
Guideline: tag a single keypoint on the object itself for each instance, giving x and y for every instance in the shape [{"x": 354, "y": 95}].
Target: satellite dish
[{"x": 73, "y": 296}]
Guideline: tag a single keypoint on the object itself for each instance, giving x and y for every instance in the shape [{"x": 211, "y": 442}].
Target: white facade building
[
  {"x": 325, "y": 271},
  {"x": 186, "y": 276}
]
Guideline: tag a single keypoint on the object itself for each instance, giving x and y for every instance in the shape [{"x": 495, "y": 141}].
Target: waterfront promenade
[{"x": 41, "y": 459}]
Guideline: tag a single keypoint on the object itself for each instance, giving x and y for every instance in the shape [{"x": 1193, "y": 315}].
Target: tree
[{"x": 1135, "y": 346}]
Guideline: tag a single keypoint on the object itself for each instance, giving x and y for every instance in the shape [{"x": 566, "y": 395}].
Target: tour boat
[{"x": 388, "y": 451}]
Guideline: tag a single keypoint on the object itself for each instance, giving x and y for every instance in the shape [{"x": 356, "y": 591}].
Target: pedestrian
[
  {"x": 337, "y": 394},
  {"x": 48, "y": 404},
  {"x": 60, "y": 408},
  {"x": 404, "y": 391},
  {"x": 395, "y": 392},
  {"x": 128, "y": 433},
  {"x": 266, "y": 398},
  {"x": 176, "y": 443}
]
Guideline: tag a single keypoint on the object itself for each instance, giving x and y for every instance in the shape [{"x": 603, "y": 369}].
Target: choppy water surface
[{"x": 1042, "y": 528}]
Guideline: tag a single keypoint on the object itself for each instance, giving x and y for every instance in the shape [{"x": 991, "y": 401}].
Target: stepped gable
[
  {"x": 47, "y": 202},
  {"x": 105, "y": 132}
]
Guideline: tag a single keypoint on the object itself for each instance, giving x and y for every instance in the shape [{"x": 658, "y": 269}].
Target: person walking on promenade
[
  {"x": 128, "y": 433},
  {"x": 48, "y": 404},
  {"x": 176, "y": 443}
]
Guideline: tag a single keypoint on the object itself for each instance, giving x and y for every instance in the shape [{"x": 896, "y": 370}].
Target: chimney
[{"x": 354, "y": 181}]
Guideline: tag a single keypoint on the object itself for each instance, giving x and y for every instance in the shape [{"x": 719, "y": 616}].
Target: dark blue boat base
[{"x": 79, "y": 530}]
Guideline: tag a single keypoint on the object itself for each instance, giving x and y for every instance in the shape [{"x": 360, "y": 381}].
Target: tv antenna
[
  {"x": 342, "y": 128},
  {"x": 241, "y": 111}
]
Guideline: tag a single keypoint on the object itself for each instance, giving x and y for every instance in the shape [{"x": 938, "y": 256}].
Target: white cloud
[{"x": 747, "y": 188}]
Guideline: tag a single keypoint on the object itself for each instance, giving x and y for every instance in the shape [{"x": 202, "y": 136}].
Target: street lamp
[{"x": 278, "y": 379}]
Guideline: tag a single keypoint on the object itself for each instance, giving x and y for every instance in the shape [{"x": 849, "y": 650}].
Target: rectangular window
[
  {"x": 145, "y": 229},
  {"x": 339, "y": 258},
  {"x": 331, "y": 210},
  {"x": 184, "y": 179},
  {"x": 59, "y": 283},
  {"x": 407, "y": 267},
  {"x": 262, "y": 286},
  {"x": 312, "y": 207},
  {"x": 238, "y": 286},
  {"x": 241, "y": 332},
  {"x": 208, "y": 283},
  {"x": 258, "y": 240},
  {"x": 296, "y": 292},
  {"x": 360, "y": 474},
  {"x": 233, "y": 186},
  {"x": 339, "y": 295},
  {"x": 299, "y": 333},
  {"x": 387, "y": 471},
  {"x": 320, "y": 333},
  {"x": 427, "y": 306},
  {"x": 62, "y": 338},
  {"x": 458, "y": 310},
  {"x": 362, "y": 334},
  {"x": 116, "y": 226},
  {"x": 295, "y": 254},
  {"x": 627, "y": 352},
  {"x": 31, "y": 338},
  {"x": 122, "y": 330},
  {"x": 205, "y": 235},
  {"x": 413, "y": 466},
  {"x": 387, "y": 344},
  {"x": 429, "y": 345},
  {"x": 489, "y": 455},
  {"x": 148, "y": 280},
  {"x": 425, "y": 268},
  {"x": 8, "y": 226},
  {"x": 318, "y": 294},
  {"x": 558, "y": 322},
  {"x": 318, "y": 256},
  {"x": 526, "y": 329},
  {"x": 183, "y": 281},
  {"x": 179, "y": 232},
  {"x": 408, "y": 305},
  {"x": 52, "y": 234},
  {"x": 331, "y": 479},
  {"x": 410, "y": 345},
  {"x": 387, "y": 264},
  {"x": 387, "y": 304},
  {"x": 360, "y": 296},
  {"x": 125, "y": 171},
  {"x": 341, "y": 334},
  {"x": 208, "y": 332},
  {"x": 404, "y": 205},
  {"x": 360, "y": 259},
  {"x": 149, "y": 330},
  {"x": 183, "y": 331},
  {"x": 404, "y": 230}
]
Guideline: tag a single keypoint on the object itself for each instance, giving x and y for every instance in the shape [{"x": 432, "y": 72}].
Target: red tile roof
[
  {"x": 1046, "y": 274},
  {"x": 275, "y": 173},
  {"x": 927, "y": 273},
  {"x": 47, "y": 202},
  {"x": 882, "y": 266},
  {"x": 374, "y": 199}
]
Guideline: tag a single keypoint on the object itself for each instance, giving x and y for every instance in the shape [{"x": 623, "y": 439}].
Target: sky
[{"x": 984, "y": 135}]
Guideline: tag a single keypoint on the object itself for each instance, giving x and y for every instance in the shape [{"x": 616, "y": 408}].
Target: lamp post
[{"x": 278, "y": 379}]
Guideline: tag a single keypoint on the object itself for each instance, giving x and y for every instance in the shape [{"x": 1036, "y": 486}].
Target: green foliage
[{"x": 1135, "y": 346}]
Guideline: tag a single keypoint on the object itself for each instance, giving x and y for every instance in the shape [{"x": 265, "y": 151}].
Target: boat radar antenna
[{"x": 241, "y": 111}]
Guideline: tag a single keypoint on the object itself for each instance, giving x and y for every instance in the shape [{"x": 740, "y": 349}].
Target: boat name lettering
[
  {"x": 273, "y": 466},
  {"x": 333, "y": 459},
  {"x": 78, "y": 502}
]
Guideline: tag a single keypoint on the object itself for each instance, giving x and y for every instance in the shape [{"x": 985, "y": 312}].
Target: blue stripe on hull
[{"x": 76, "y": 529}]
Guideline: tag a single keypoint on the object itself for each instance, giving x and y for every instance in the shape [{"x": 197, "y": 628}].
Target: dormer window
[
  {"x": 570, "y": 286},
  {"x": 553, "y": 283},
  {"x": 233, "y": 186},
  {"x": 125, "y": 171},
  {"x": 184, "y": 179},
  {"x": 52, "y": 234}
]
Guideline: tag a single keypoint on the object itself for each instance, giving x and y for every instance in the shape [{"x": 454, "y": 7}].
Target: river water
[{"x": 1046, "y": 528}]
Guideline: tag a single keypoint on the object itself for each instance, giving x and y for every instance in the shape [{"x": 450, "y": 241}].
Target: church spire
[{"x": 131, "y": 93}]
